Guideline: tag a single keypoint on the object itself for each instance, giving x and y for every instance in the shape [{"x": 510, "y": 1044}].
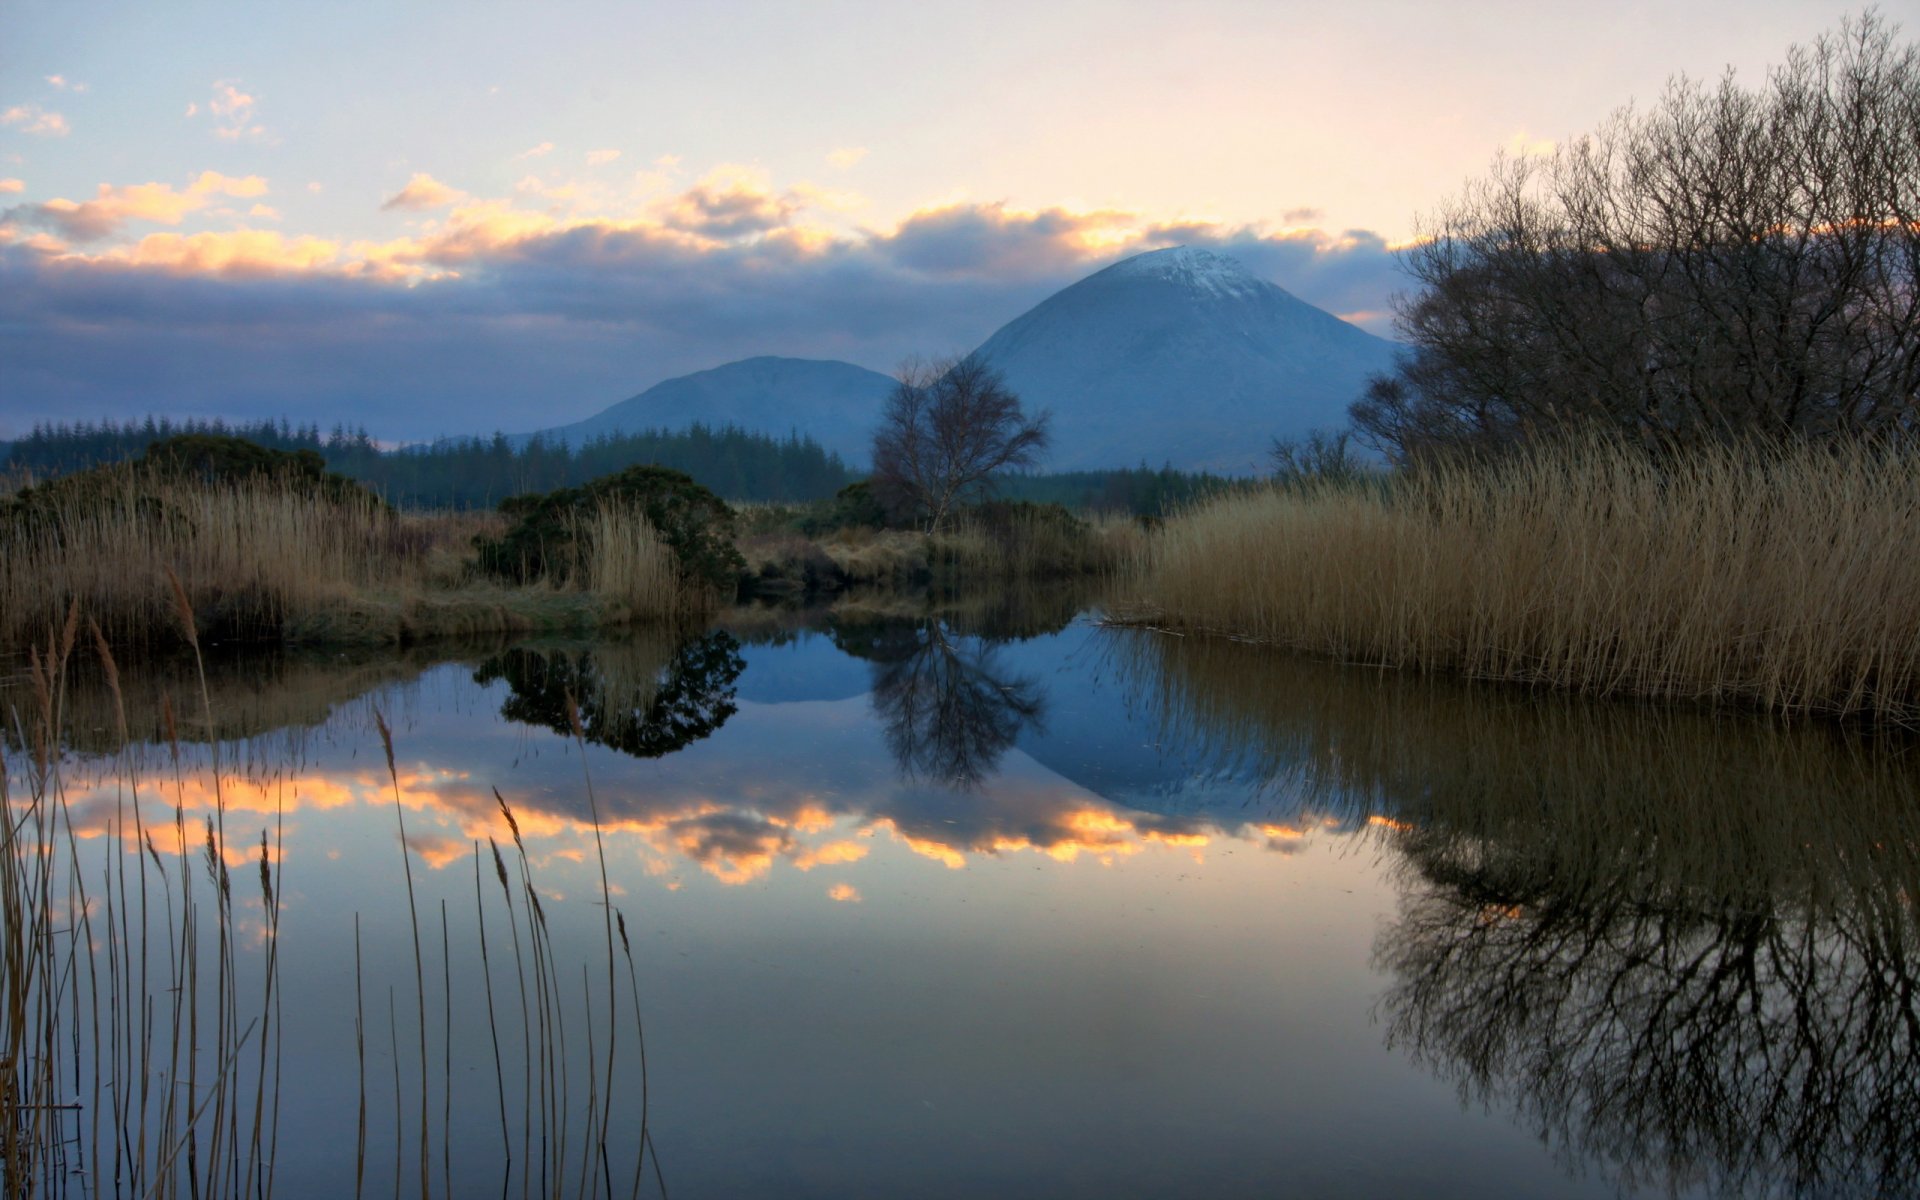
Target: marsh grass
[
  {"x": 1782, "y": 578},
  {"x": 269, "y": 561},
  {"x": 140, "y": 1000}
]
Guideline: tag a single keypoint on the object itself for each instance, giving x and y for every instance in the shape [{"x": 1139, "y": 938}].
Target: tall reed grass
[
  {"x": 269, "y": 560},
  {"x": 1779, "y": 578},
  {"x": 141, "y": 1025}
]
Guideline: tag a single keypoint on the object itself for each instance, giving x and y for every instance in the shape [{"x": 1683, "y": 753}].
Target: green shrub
[
  {"x": 852, "y": 507},
  {"x": 548, "y": 537}
]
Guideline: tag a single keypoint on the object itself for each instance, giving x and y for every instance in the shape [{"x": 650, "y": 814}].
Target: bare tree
[
  {"x": 1728, "y": 261},
  {"x": 947, "y": 428}
]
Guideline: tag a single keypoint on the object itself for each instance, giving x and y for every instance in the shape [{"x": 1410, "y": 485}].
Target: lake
[{"x": 973, "y": 899}]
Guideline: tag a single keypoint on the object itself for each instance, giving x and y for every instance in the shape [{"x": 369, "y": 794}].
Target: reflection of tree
[
  {"x": 949, "y": 708},
  {"x": 1688, "y": 1040},
  {"x": 642, "y": 704},
  {"x": 1679, "y": 942}
]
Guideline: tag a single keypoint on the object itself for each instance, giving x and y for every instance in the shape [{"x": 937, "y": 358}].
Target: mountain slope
[
  {"x": 1182, "y": 356},
  {"x": 836, "y": 403}
]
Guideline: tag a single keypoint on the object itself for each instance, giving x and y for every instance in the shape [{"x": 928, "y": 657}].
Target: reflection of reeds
[
  {"x": 175, "y": 1058},
  {"x": 1687, "y": 803},
  {"x": 1782, "y": 578}
]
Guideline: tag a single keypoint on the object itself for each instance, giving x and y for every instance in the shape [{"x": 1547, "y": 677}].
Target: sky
[{"x": 443, "y": 219}]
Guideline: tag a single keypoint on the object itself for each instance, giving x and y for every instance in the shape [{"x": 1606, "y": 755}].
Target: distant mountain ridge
[
  {"x": 1176, "y": 357},
  {"x": 835, "y": 403},
  {"x": 1182, "y": 356}
]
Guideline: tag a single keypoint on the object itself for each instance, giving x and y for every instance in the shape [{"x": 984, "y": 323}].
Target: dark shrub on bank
[
  {"x": 201, "y": 458},
  {"x": 549, "y": 538}
]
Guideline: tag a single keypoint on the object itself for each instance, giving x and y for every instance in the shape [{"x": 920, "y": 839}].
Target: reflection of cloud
[{"x": 831, "y": 854}]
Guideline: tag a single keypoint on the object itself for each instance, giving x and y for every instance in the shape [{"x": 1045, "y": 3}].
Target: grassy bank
[
  {"x": 1782, "y": 579},
  {"x": 268, "y": 559},
  {"x": 1014, "y": 542}
]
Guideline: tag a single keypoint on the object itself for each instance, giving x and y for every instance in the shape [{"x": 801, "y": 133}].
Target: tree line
[{"x": 470, "y": 472}]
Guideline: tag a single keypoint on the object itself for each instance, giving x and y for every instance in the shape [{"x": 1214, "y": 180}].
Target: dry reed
[
  {"x": 266, "y": 560},
  {"x": 1782, "y": 579}
]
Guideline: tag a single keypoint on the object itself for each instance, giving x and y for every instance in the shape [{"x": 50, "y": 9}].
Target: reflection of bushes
[
  {"x": 645, "y": 697},
  {"x": 1680, "y": 944}
]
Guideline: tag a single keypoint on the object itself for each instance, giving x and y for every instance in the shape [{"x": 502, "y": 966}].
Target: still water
[{"x": 988, "y": 900}]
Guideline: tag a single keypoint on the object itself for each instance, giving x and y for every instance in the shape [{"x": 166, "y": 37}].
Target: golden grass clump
[
  {"x": 1780, "y": 578},
  {"x": 249, "y": 557},
  {"x": 629, "y": 565},
  {"x": 266, "y": 559}
]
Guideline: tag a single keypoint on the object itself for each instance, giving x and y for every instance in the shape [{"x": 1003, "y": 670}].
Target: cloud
[
  {"x": 234, "y": 253},
  {"x": 993, "y": 240},
  {"x": 12, "y": 185},
  {"x": 846, "y": 893},
  {"x": 234, "y": 109},
  {"x": 1523, "y": 145},
  {"x": 505, "y": 299},
  {"x": 423, "y": 191},
  {"x": 540, "y": 151},
  {"x": 729, "y": 202},
  {"x": 31, "y": 118},
  {"x": 600, "y": 158},
  {"x": 846, "y": 156},
  {"x": 112, "y": 207},
  {"x": 230, "y": 102},
  {"x": 264, "y": 212}
]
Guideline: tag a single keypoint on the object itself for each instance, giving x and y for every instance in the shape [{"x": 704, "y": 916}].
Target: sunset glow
[{"x": 456, "y": 238}]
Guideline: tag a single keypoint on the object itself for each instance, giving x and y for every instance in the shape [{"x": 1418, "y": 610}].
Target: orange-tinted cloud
[
  {"x": 240, "y": 252},
  {"x": 729, "y": 202},
  {"x": 12, "y": 185},
  {"x": 423, "y": 191},
  {"x": 112, "y": 207},
  {"x": 845, "y": 893}
]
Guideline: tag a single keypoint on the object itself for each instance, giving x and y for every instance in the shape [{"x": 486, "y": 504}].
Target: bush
[
  {"x": 854, "y": 506},
  {"x": 209, "y": 460},
  {"x": 550, "y": 535}
]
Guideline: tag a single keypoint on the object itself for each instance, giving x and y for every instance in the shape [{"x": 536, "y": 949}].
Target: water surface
[{"x": 988, "y": 900}]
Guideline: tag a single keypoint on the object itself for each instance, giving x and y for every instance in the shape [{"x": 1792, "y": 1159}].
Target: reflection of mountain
[{"x": 639, "y": 697}]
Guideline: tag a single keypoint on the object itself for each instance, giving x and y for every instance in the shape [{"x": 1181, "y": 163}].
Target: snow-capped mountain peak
[{"x": 1197, "y": 270}]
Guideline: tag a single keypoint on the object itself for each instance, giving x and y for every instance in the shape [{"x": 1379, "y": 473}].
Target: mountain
[
  {"x": 836, "y": 403},
  {"x": 1182, "y": 356}
]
